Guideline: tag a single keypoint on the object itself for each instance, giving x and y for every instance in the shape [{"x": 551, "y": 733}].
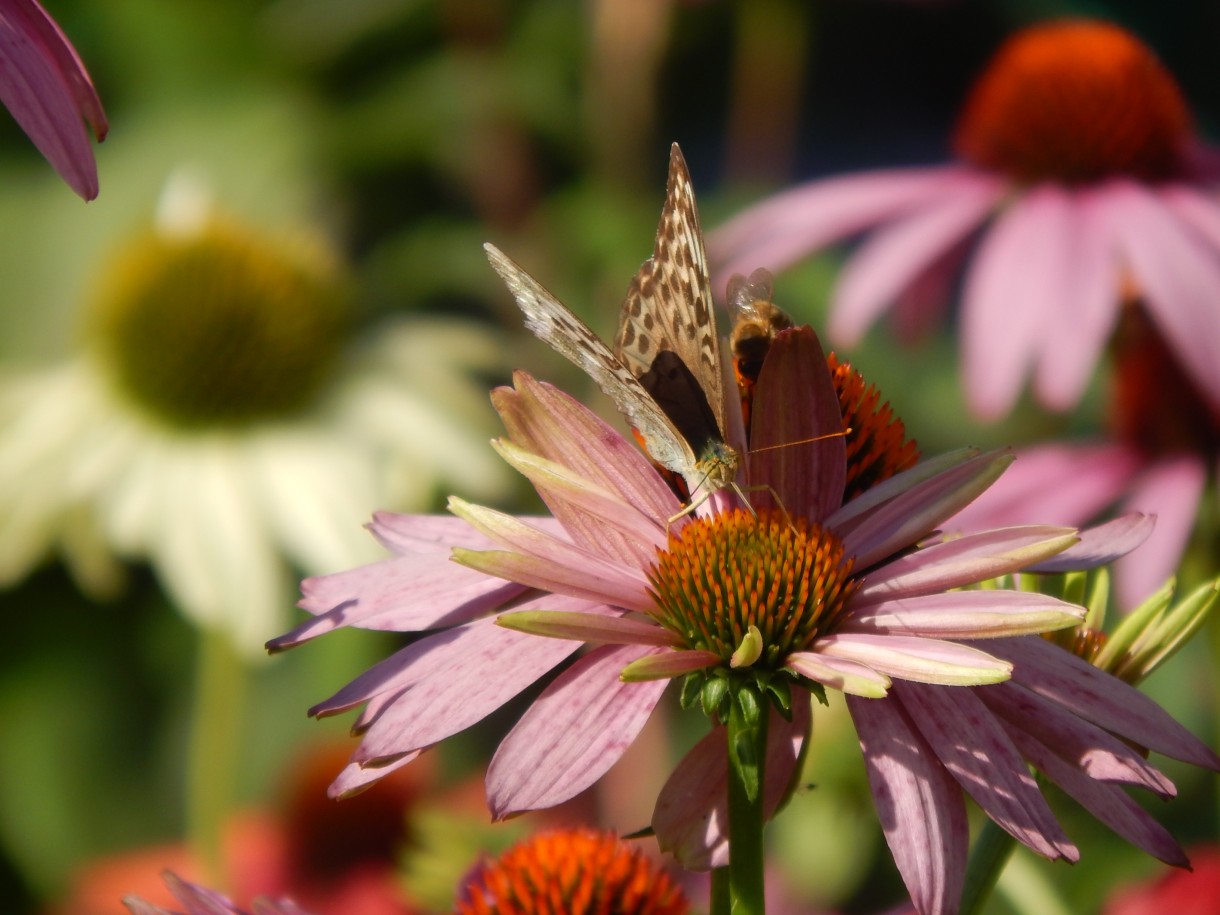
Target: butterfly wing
[
  {"x": 669, "y": 309},
  {"x": 553, "y": 322}
]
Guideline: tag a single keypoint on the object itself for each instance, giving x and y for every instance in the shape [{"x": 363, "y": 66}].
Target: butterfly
[{"x": 665, "y": 374}]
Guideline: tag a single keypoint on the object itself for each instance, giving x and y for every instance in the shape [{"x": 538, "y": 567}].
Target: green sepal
[
  {"x": 751, "y": 708},
  {"x": 713, "y": 696},
  {"x": 692, "y": 689},
  {"x": 780, "y": 691}
]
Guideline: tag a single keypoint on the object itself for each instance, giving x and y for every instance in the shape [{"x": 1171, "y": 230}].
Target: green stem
[
  {"x": 747, "y": 740},
  {"x": 987, "y": 859},
  {"x": 214, "y": 744},
  {"x": 721, "y": 904}
]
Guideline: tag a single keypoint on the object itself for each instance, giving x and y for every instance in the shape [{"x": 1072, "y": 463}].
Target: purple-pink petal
[
  {"x": 1101, "y": 544},
  {"x": 919, "y": 805},
  {"x": 896, "y": 255},
  {"x": 960, "y": 561},
  {"x": 965, "y": 614},
  {"x": 406, "y": 535},
  {"x": 1095, "y": 696},
  {"x": 1177, "y": 275},
  {"x": 847, "y": 676},
  {"x": 48, "y": 91},
  {"x": 788, "y": 226},
  {"x": 691, "y": 815},
  {"x": 1099, "y": 754},
  {"x": 572, "y": 733},
  {"x": 794, "y": 402},
  {"x": 1107, "y": 802},
  {"x": 912, "y": 658},
  {"x": 978, "y": 753},
  {"x": 355, "y": 777}
]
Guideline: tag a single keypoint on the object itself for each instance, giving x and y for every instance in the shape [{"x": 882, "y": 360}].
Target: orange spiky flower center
[
  {"x": 572, "y": 872},
  {"x": 877, "y": 445},
  {"x": 1075, "y": 101},
  {"x": 720, "y": 575},
  {"x": 1156, "y": 406}
]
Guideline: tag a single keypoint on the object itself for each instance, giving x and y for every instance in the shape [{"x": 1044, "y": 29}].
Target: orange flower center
[
  {"x": 572, "y": 872},
  {"x": 877, "y": 445},
  {"x": 1075, "y": 101},
  {"x": 720, "y": 575}
]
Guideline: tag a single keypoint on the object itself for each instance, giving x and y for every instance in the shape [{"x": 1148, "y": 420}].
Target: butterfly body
[{"x": 665, "y": 373}]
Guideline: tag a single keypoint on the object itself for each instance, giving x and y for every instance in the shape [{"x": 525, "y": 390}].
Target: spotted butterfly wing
[
  {"x": 553, "y": 323},
  {"x": 667, "y": 336}
]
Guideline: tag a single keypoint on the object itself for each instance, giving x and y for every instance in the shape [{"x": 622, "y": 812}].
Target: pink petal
[
  {"x": 913, "y": 658},
  {"x": 1053, "y": 484},
  {"x": 1108, "y": 803},
  {"x": 965, "y": 614},
  {"x": 795, "y": 401},
  {"x": 1171, "y": 489},
  {"x": 539, "y": 560},
  {"x": 408, "y": 534},
  {"x": 1086, "y": 290},
  {"x": 543, "y": 419},
  {"x": 850, "y": 677},
  {"x": 1096, "y": 696},
  {"x": 405, "y": 594},
  {"x": 355, "y": 778},
  {"x": 501, "y": 661},
  {"x": 978, "y": 753},
  {"x": 1178, "y": 275},
  {"x": 46, "y": 88},
  {"x": 1101, "y": 545},
  {"x": 1196, "y": 208},
  {"x": 1097, "y": 753},
  {"x": 788, "y": 226},
  {"x": 1004, "y": 302},
  {"x": 691, "y": 816},
  {"x": 960, "y": 561},
  {"x": 896, "y": 255},
  {"x": 919, "y": 805},
  {"x": 572, "y": 733}
]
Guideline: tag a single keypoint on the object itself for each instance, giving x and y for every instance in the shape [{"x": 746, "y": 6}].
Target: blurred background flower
[{"x": 398, "y": 136}]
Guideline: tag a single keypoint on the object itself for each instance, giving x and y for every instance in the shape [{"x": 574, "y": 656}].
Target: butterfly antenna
[{"x": 847, "y": 430}]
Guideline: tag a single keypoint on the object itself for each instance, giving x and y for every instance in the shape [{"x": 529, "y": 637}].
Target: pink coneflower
[
  {"x": 1081, "y": 178},
  {"x": 46, "y": 88},
  {"x": 810, "y": 596},
  {"x": 1164, "y": 447}
]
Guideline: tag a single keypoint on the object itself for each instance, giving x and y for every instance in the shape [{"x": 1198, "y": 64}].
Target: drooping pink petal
[
  {"x": 691, "y": 816},
  {"x": 1177, "y": 274},
  {"x": 1005, "y": 302},
  {"x": 571, "y": 734},
  {"x": 918, "y": 659},
  {"x": 1107, "y": 802},
  {"x": 965, "y": 615},
  {"x": 404, "y": 594},
  {"x": 1067, "y": 484},
  {"x": 669, "y": 664},
  {"x": 596, "y": 628},
  {"x": 919, "y": 805},
  {"x": 788, "y": 226},
  {"x": 978, "y": 753},
  {"x": 1082, "y": 306},
  {"x": 864, "y": 505},
  {"x": 961, "y": 561},
  {"x": 1101, "y": 544},
  {"x": 1096, "y": 696},
  {"x": 1099, "y": 754},
  {"x": 794, "y": 402},
  {"x": 897, "y": 254},
  {"x": 45, "y": 86},
  {"x": 923, "y": 304},
  {"x": 1196, "y": 208},
  {"x": 1171, "y": 489}
]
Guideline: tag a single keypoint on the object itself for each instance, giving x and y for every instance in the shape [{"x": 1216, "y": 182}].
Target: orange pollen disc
[
  {"x": 1075, "y": 101},
  {"x": 877, "y": 446},
  {"x": 1156, "y": 407},
  {"x": 572, "y": 872},
  {"x": 722, "y": 574}
]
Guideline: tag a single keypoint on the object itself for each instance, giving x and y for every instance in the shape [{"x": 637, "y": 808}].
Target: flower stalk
[{"x": 747, "y": 746}]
